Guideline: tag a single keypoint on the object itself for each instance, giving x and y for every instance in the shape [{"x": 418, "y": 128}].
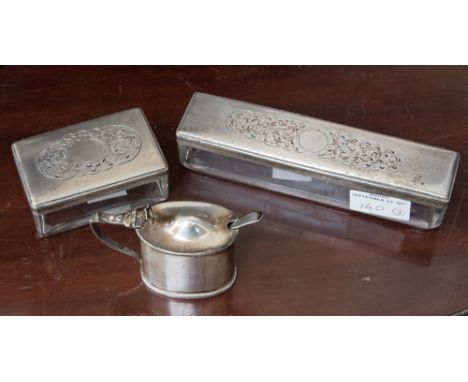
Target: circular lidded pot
[{"x": 187, "y": 248}]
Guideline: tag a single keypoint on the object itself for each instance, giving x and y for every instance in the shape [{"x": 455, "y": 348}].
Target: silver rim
[{"x": 182, "y": 295}]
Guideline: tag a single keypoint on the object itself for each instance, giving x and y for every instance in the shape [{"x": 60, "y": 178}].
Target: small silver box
[
  {"x": 317, "y": 160},
  {"x": 109, "y": 163}
]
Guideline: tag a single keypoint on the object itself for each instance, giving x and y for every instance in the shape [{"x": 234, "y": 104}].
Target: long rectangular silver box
[
  {"x": 317, "y": 160},
  {"x": 109, "y": 163}
]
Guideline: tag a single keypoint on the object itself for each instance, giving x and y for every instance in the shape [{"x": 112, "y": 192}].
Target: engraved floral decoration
[
  {"x": 286, "y": 134},
  {"x": 88, "y": 152},
  {"x": 264, "y": 128},
  {"x": 354, "y": 151}
]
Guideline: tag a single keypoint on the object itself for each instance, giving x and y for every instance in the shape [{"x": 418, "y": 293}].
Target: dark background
[{"x": 304, "y": 258}]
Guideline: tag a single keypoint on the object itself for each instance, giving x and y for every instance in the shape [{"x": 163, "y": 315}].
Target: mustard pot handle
[{"x": 133, "y": 219}]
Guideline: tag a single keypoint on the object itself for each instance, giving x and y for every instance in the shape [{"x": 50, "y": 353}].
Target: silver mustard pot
[{"x": 187, "y": 248}]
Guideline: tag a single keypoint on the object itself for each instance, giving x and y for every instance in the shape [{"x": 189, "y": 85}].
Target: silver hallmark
[{"x": 88, "y": 152}]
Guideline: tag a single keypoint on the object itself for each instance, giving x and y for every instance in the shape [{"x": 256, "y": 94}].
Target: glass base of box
[
  {"x": 291, "y": 182},
  {"x": 62, "y": 220}
]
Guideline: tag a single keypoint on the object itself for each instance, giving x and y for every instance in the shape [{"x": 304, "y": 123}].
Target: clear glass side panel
[
  {"x": 72, "y": 217},
  {"x": 293, "y": 183}
]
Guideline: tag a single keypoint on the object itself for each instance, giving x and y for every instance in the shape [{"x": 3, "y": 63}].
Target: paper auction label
[{"x": 379, "y": 205}]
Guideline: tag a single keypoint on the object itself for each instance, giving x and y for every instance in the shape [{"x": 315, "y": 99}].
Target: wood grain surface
[{"x": 304, "y": 258}]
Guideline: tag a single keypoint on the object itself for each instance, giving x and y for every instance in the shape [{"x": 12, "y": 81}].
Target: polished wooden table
[{"x": 305, "y": 258}]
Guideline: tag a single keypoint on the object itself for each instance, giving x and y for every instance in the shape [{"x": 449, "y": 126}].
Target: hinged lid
[
  {"x": 309, "y": 145},
  {"x": 64, "y": 167},
  {"x": 186, "y": 227}
]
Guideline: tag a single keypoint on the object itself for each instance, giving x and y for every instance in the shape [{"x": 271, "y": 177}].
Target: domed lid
[{"x": 192, "y": 228}]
